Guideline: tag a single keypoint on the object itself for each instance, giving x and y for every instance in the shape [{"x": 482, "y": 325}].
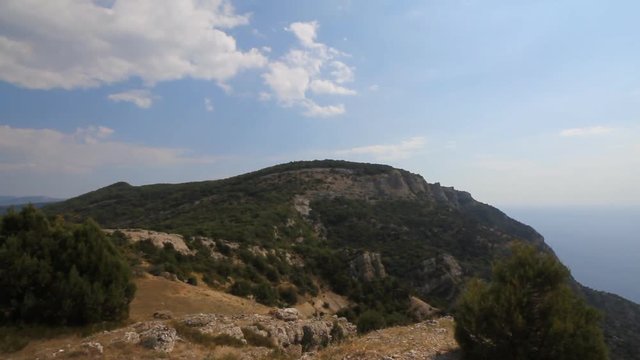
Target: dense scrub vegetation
[
  {"x": 243, "y": 208},
  {"x": 527, "y": 312},
  {"x": 621, "y": 322},
  {"x": 52, "y": 272}
]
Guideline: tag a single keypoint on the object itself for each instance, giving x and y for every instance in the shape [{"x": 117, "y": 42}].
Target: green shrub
[
  {"x": 370, "y": 320},
  {"x": 337, "y": 332},
  {"x": 527, "y": 312},
  {"x": 241, "y": 288},
  {"x": 264, "y": 293},
  {"x": 288, "y": 294},
  {"x": 57, "y": 273}
]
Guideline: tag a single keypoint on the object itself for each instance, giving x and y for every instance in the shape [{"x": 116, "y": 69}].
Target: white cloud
[
  {"x": 306, "y": 32},
  {"x": 288, "y": 83},
  {"x": 315, "y": 110},
  {"x": 86, "y": 149},
  {"x": 304, "y": 70},
  {"x": 208, "y": 105},
  {"x": 92, "y": 134},
  {"x": 140, "y": 97},
  {"x": 78, "y": 43},
  {"x": 386, "y": 152},
  {"x": 328, "y": 87},
  {"x": 342, "y": 73},
  {"x": 225, "y": 87},
  {"x": 264, "y": 96},
  {"x": 374, "y": 87},
  {"x": 586, "y": 131}
]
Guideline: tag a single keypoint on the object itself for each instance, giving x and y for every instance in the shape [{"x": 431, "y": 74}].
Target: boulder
[
  {"x": 131, "y": 337},
  {"x": 159, "y": 337},
  {"x": 315, "y": 335},
  {"x": 287, "y": 314},
  {"x": 214, "y": 325}
]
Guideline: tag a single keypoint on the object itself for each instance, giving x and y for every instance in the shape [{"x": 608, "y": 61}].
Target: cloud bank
[
  {"x": 585, "y": 131},
  {"x": 73, "y": 44},
  {"x": 86, "y": 149},
  {"x": 141, "y": 98},
  {"x": 388, "y": 152}
]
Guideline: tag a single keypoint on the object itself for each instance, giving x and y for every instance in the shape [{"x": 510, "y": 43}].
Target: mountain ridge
[{"x": 411, "y": 223}]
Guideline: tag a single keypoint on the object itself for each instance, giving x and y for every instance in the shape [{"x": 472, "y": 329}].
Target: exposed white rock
[{"x": 288, "y": 314}]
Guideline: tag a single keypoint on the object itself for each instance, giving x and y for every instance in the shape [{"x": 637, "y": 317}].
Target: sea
[{"x": 600, "y": 245}]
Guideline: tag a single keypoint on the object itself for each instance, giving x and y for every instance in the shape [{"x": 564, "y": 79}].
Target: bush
[
  {"x": 241, "y": 288},
  {"x": 265, "y": 294},
  {"x": 527, "y": 312},
  {"x": 288, "y": 294},
  {"x": 370, "y": 320},
  {"x": 57, "y": 273}
]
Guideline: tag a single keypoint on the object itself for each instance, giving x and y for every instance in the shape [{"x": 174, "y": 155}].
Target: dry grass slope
[
  {"x": 430, "y": 340},
  {"x": 153, "y": 294},
  {"x": 156, "y": 293}
]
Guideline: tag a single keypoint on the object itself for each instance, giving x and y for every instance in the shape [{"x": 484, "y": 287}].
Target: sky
[{"x": 521, "y": 103}]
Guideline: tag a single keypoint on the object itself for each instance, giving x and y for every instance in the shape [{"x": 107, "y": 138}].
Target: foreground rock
[
  {"x": 250, "y": 336},
  {"x": 281, "y": 329}
]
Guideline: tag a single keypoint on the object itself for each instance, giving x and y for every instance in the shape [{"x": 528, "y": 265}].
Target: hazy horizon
[{"x": 600, "y": 245}]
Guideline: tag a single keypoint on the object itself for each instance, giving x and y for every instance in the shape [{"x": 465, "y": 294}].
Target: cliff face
[
  {"x": 367, "y": 266},
  {"x": 383, "y": 226},
  {"x": 392, "y": 185}
]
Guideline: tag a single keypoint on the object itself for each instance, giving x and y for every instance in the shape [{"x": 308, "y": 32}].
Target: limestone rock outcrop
[
  {"x": 440, "y": 276},
  {"x": 367, "y": 266}
]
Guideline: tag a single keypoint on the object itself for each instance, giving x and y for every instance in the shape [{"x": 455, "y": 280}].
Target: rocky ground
[
  {"x": 174, "y": 320},
  {"x": 428, "y": 340},
  {"x": 280, "y": 334}
]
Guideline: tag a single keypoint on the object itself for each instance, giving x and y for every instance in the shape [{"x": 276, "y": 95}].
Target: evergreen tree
[
  {"x": 58, "y": 273},
  {"x": 527, "y": 312}
]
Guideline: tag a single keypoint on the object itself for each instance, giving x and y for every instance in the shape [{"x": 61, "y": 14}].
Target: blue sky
[{"x": 519, "y": 103}]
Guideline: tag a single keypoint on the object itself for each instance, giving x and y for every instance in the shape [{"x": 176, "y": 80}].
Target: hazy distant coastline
[{"x": 601, "y": 245}]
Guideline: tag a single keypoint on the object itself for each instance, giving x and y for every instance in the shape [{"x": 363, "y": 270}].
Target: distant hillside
[
  {"x": 17, "y": 202},
  {"x": 370, "y": 232}
]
